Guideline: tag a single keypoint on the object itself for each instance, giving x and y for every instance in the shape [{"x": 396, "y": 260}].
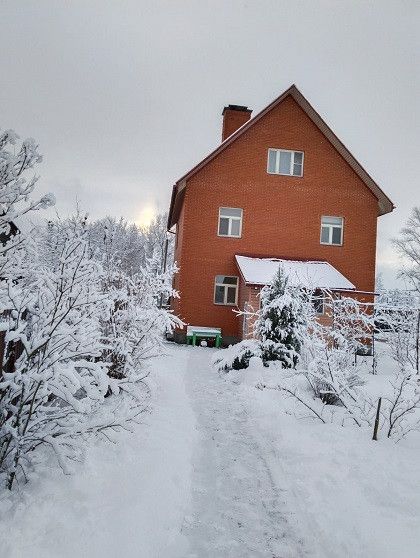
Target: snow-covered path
[{"x": 238, "y": 511}]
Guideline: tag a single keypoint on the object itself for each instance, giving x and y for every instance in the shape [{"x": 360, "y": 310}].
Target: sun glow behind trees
[{"x": 146, "y": 216}]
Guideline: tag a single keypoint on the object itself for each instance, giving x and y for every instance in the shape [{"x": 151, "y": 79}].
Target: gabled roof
[
  {"x": 311, "y": 274},
  {"x": 384, "y": 203}
]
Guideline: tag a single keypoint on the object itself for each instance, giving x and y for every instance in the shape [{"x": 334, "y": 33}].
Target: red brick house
[{"x": 281, "y": 186}]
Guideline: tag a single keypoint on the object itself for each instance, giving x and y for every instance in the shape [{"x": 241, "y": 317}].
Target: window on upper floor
[
  {"x": 226, "y": 290},
  {"x": 332, "y": 230},
  {"x": 230, "y": 221},
  {"x": 283, "y": 161}
]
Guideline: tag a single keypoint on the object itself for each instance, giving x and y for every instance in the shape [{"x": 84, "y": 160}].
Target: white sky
[{"x": 125, "y": 96}]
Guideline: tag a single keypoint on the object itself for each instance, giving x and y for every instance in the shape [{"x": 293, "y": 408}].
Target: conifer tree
[{"x": 281, "y": 321}]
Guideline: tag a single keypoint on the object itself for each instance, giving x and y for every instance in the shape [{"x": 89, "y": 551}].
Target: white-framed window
[
  {"x": 226, "y": 290},
  {"x": 230, "y": 221},
  {"x": 332, "y": 230},
  {"x": 283, "y": 161}
]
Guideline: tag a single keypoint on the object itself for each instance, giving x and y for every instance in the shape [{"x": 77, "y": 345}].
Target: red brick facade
[{"x": 281, "y": 214}]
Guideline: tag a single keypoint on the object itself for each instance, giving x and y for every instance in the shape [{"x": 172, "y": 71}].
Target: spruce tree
[{"x": 281, "y": 321}]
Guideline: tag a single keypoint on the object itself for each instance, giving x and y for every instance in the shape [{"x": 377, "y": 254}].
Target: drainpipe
[{"x": 165, "y": 258}]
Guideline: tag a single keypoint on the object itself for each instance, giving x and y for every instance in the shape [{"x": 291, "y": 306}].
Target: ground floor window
[
  {"x": 318, "y": 302},
  {"x": 226, "y": 290}
]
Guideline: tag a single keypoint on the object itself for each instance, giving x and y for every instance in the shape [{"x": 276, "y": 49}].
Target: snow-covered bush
[
  {"x": 15, "y": 192},
  {"x": 330, "y": 349},
  {"x": 399, "y": 314},
  {"x": 237, "y": 357},
  {"x": 135, "y": 322},
  {"x": 53, "y": 381},
  {"x": 352, "y": 323},
  {"x": 402, "y": 410},
  {"x": 77, "y": 328},
  {"x": 334, "y": 376}
]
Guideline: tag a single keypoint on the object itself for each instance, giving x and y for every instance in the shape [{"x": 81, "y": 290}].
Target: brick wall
[
  {"x": 234, "y": 119},
  {"x": 281, "y": 214}
]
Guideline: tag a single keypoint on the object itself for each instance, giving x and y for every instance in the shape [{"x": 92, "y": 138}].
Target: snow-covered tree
[
  {"x": 77, "y": 323},
  {"x": 117, "y": 244},
  {"x": 159, "y": 244},
  {"x": 74, "y": 336},
  {"x": 134, "y": 284},
  {"x": 282, "y": 320},
  {"x": 52, "y": 379},
  {"x": 398, "y": 313},
  {"x": 280, "y": 327},
  {"x": 408, "y": 246},
  {"x": 16, "y": 188},
  {"x": 379, "y": 283},
  {"x": 135, "y": 322}
]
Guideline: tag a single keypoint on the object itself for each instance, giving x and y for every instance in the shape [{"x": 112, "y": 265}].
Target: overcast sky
[{"x": 125, "y": 96}]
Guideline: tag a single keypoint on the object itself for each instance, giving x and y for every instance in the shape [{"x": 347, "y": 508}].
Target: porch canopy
[{"x": 310, "y": 274}]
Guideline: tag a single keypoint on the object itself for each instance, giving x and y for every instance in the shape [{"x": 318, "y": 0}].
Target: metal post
[
  {"x": 165, "y": 256},
  {"x": 375, "y": 430}
]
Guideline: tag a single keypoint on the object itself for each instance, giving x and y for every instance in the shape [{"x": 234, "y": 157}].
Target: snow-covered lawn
[{"x": 220, "y": 469}]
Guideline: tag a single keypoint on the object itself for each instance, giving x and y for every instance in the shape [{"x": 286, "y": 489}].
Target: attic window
[{"x": 285, "y": 162}]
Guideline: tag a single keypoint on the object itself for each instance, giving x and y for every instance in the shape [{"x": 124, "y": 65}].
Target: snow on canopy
[{"x": 312, "y": 274}]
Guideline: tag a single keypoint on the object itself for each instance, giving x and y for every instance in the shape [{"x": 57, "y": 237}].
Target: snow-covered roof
[{"x": 312, "y": 274}]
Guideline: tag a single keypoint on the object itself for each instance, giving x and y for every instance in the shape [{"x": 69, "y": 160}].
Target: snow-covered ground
[
  {"x": 128, "y": 500},
  {"x": 220, "y": 469}
]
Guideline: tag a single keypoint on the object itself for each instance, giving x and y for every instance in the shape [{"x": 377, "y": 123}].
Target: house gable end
[{"x": 384, "y": 203}]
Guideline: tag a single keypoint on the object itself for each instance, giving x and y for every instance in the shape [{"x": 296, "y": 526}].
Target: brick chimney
[{"x": 234, "y": 116}]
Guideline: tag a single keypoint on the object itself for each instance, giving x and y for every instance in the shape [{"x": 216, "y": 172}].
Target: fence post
[{"x": 375, "y": 430}]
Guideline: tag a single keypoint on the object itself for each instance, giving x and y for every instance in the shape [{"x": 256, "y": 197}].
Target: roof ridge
[
  {"x": 273, "y": 259},
  {"x": 384, "y": 203}
]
